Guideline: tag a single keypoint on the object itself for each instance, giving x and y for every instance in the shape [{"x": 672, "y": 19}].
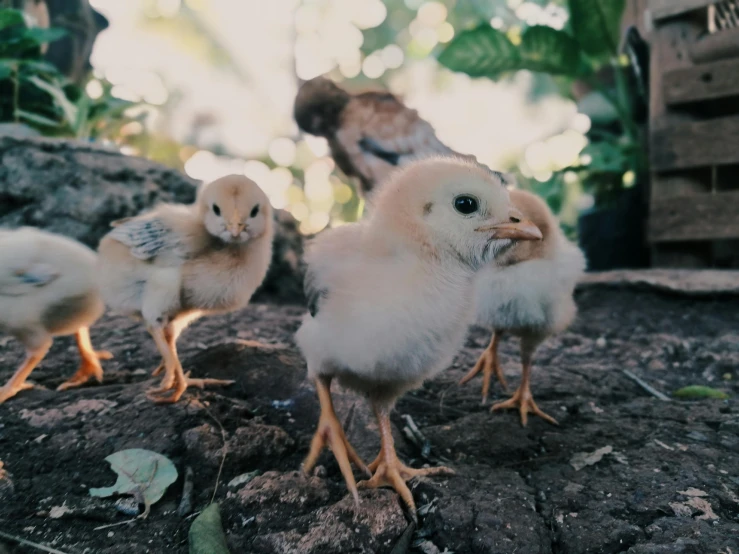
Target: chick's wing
[
  {"x": 21, "y": 278},
  {"x": 328, "y": 257},
  {"x": 149, "y": 238}
]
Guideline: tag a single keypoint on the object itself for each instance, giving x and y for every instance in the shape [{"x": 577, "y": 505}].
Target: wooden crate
[{"x": 694, "y": 133}]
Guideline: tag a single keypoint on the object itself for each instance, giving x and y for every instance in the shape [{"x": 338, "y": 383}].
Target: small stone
[
  {"x": 600, "y": 342},
  {"x": 657, "y": 365}
]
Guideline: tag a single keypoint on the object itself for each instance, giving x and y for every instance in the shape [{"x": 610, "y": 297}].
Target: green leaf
[
  {"x": 549, "y": 51},
  {"x": 38, "y": 65},
  {"x": 480, "y": 52},
  {"x": 596, "y": 25},
  {"x": 7, "y": 67},
  {"x": 606, "y": 157},
  {"x": 37, "y": 119},
  {"x": 485, "y": 51},
  {"x": 141, "y": 473},
  {"x": 206, "y": 533},
  {"x": 42, "y": 36},
  {"x": 597, "y": 107},
  {"x": 69, "y": 109},
  {"x": 698, "y": 391},
  {"x": 8, "y": 18}
]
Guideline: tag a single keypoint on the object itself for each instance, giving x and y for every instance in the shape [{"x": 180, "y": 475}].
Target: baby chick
[
  {"x": 390, "y": 298},
  {"x": 527, "y": 292},
  {"x": 48, "y": 289},
  {"x": 176, "y": 263},
  {"x": 369, "y": 134}
]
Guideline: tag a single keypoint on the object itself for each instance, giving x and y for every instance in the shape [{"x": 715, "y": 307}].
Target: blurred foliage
[
  {"x": 34, "y": 92},
  {"x": 585, "y": 50}
]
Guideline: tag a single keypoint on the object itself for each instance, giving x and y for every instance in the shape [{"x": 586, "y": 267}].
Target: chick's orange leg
[
  {"x": 90, "y": 366},
  {"x": 330, "y": 433},
  {"x": 522, "y": 398},
  {"x": 488, "y": 363},
  {"x": 171, "y": 391},
  {"x": 388, "y": 470},
  {"x": 17, "y": 382}
]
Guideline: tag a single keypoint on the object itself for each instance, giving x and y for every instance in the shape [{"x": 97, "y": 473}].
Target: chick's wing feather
[
  {"x": 148, "y": 238},
  {"x": 21, "y": 279},
  {"x": 327, "y": 258}
]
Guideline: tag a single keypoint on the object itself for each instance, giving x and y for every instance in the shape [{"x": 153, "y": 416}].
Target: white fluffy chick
[
  {"x": 527, "y": 292},
  {"x": 48, "y": 289},
  {"x": 177, "y": 262},
  {"x": 390, "y": 297}
]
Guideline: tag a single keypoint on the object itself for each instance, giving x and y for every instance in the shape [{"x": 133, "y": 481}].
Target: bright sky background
[{"x": 247, "y": 108}]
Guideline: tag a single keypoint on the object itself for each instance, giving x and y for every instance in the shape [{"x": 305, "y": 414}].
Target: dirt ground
[{"x": 668, "y": 484}]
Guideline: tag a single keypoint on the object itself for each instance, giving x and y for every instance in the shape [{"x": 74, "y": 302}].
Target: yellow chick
[
  {"x": 527, "y": 292},
  {"x": 177, "y": 263},
  {"x": 48, "y": 289},
  {"x": 390, "y": 297}
]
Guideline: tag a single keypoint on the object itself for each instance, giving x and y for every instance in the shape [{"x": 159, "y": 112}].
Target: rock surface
[
  {"x": 77, "y": 189},
  {"x": 666, "y": 481}
]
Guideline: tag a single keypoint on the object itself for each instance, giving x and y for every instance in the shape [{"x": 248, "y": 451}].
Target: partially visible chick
[
  {"x": 390, "y": 297},
  {"x": 527, "y": 292},
  {"x": 48, "y": 289},
  {"x": 370, "y": 134},
  {"x": 176, "y": 263}
]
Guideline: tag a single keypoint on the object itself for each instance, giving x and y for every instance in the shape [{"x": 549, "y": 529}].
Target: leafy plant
[
  {"x": 34, "y": 92},
  {"x": 580, "y": 52}
]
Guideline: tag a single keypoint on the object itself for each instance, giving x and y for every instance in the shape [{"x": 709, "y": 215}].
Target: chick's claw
[
  {"x": 9, "y": 392},
  {"x": 89, "y": 369},
  {"x": 524, "y": 401},
  {"x": 171, "y": 393},
  {"x": 487, "y": 363},
  {"x": 393, "y": 473},
  {"x": 331, "y": 434}
]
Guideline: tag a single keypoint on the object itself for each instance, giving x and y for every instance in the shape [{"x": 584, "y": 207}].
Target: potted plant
[{"x": 608, "y": 86}]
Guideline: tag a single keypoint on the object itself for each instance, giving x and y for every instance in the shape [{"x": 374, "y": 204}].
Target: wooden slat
[
  {"x": 668, "y": 8},
  {"x": 702, "y": 82},
  {"x": 684, "y": 144},
  {"x": 698, "y": 217},
  {"x": 718, "y": 46}
]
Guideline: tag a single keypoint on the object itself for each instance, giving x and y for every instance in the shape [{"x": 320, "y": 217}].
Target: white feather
[{"x": 534, "y": 294}]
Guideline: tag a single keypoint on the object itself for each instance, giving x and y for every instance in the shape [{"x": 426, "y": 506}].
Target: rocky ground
[{"x": 665, "y": 479}]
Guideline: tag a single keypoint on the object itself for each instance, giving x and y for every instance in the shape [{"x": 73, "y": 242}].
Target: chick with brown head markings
[
  {"x": 370, "y": 134},
  {"x": 527, "y": 292},
  {"x": 48, "y": 288},
  {"x": 389, "y": 297},
  {"x": 177, "y": 263}
]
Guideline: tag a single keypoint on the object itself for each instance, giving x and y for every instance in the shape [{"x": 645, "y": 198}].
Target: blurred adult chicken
[
  {"x": 177, "y": 263},
  {"x": 48, "y": 289},
  {"x": 390, "y": 298},
  {"x": 527, "y": 292},
  {"x": 370, "y": 134}
]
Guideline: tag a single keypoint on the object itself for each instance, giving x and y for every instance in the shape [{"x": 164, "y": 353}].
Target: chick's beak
[
  {"x": 517, "y": 228},
  {"x": 236, "y": 227}
]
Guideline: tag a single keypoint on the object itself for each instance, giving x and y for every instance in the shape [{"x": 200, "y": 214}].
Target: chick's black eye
[
  {"x": 254, "y": 211},
  {"x": 466, "y": 204},
  {"x": 216, "y": 209}
]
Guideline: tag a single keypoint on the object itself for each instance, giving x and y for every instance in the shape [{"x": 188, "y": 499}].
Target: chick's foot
[
  {"x": 9, "y": 391},
  {"x": 330, "y": 433},
  {"x": 171, "y": 393},
  {"x": 487, "y": 363},
  {"x": 389, "y": 471},
  {"x": 524, "y": 401},
  {"x": 89, "y": 368}
]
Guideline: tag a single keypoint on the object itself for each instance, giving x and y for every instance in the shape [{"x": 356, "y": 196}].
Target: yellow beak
[
  {"x": 518, "y": 228},
  {"x": 235, "y": 228}
]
